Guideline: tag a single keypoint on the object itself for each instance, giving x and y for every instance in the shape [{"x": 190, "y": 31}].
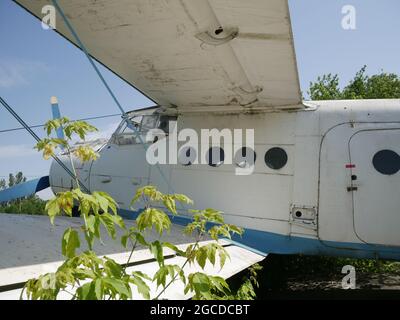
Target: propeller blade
[
  {"x": 55, "y": 109},
  {"x": 24, "y": 189}
]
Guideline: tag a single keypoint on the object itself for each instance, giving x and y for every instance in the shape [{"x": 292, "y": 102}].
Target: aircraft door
[{"x": 375, "y": 185}]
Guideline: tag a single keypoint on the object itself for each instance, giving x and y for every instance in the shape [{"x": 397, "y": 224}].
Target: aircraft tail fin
[{"x": 55, "y": 109}]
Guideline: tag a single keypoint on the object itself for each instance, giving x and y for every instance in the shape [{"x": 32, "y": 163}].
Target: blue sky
[{"x": 36, "y": 64}]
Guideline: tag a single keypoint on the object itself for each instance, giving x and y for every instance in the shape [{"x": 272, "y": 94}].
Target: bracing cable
[
  {"x": 42, "y": 125},
  {"x": 36, "y": 137}
]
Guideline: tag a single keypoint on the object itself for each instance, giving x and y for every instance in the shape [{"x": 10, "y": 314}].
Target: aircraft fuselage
[{"x": 325, "y": 179}]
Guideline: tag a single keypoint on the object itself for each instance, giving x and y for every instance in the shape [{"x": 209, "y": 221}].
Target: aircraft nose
[{"x": 61, "y": 180}]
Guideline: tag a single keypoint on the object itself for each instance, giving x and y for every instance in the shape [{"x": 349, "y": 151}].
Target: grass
[
  {"x": 280, "y": 271},
  {"x": 32, "y": 205}
]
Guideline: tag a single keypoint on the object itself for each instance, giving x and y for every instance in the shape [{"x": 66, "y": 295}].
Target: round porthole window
[
  {"x": 245, "y": 157},
  {"x": 187, "y": 156},
  {"x": 276, "y": 158},
  {"x": 386, "y": 162},
  {"x": 215, "y": 156}
]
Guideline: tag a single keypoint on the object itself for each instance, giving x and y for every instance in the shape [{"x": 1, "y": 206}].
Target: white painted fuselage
[{"x": 328, "y": 198}]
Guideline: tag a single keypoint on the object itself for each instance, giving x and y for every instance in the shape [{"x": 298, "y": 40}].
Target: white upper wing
[{"x": 197, "y": 55}]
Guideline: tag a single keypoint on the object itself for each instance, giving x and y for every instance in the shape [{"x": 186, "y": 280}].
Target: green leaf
[
  {"x": 211, "y": 252},
  {"x": 222, "y": 258},
  {"x": 174, "y": 248},
  {"x": 171, "y": 271},
  {"x": 118, "y": 287},
  {"x": 85, "y": 153},
  {"x": 65, "y": 201},
  {"x": 113, "y": 268},
  {"x": 139, "y": 237},
  {"x": 219, "y": 284},
  {"x": 103, "y": 202},
  {"x": 169, "y": 203},
  {"x": 86, "y": 292},
  {"x": 52, "y": 209},
  {"x": 201, "y": 285},
  {"x": 107, "y": 221},
  {"x": 98, "y": 288},
  {"x": 157, "y": 250},
  {"x": 89, "y": 237},
  {"x": 118, "y": 221},
  {"x": 224, "y": 231},
  {"x": 141, "y": 286},
  {"x": 124, "y": 240},
  {"x": 136, "y": 197},
  {"x": 112, "y": 204},
  {"x": 152, "y": 217},
  {"x": 181, "y": 273},
  {"x": 201, "y": 256},
  {"x": 213, "y": 215},
  {"x": 168, "y": 271},
  {"x": 235, "y": 229},
  {"x": 183, "y": 199},
  {"x": 90, "y": 223},
  {"x": 161, "y": 276},
  {"x": 141, "y": 275},
  {"x": 70, "y": 242}
]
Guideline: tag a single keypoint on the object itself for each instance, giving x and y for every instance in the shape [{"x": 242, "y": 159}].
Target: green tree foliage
[
  {"x": 362, "y": 86},
  {"x": 12, "y": 180},
  {"x": 325, "y": 88},
  {"x": 86, "y": 276},
  {"x": 3, "y": 184},
  {"x": 334, "y": 265},
  {"x": 27, "y": 205}
]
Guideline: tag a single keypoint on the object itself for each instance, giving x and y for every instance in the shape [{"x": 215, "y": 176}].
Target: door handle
[
  {"x": 106, "y": 179},
  {"x": 352, "y": 188}
]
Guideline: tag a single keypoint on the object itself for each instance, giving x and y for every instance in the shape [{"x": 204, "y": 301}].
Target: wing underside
[{"x": 196, "y": 55}]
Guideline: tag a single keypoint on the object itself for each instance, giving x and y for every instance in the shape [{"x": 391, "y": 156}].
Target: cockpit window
[
  {"x": 149, "y": 122},
  {"x": 136, "y": 131},
  {"x": 167, "y": 123}
]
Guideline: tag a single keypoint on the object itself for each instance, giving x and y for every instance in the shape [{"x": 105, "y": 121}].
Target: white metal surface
[
  {"x": 376, "y": 201},
  {"x": 339, "y": 121},
  {"x": 30, "y": 247},
  {"x": 31, "y": 240},
  {"x": 155, "y": 46},
  {"x": 316, "y": 141}
]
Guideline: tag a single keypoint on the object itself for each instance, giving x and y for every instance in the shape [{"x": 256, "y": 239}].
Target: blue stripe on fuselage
[{"x": 269, "y": 242}]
